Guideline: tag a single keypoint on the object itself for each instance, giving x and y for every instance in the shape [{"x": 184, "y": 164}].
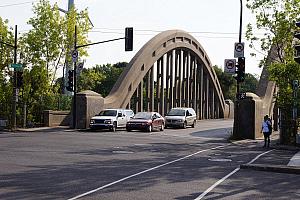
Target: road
[{"x": 193, "y": 163}]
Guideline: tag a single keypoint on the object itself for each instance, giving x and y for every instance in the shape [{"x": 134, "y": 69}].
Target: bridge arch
[{"x": 171, "y": 70}]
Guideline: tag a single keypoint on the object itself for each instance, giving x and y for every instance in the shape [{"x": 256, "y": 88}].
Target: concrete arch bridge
[{"x": 171, "y": 70}]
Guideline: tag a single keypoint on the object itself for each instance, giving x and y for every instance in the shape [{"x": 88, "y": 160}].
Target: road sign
[
  {"x": 229, "y": 66},
  {"x": 239, "y": 49},
  {"x": 79, "y": 67},
  {"x": 17, "y": 66},
  {"x": 74, "y": 55}
]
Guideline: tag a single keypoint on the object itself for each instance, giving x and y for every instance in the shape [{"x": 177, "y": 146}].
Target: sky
[{"x": 214, "y": 23}]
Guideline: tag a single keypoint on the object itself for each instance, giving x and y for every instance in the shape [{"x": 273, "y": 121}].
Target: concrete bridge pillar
[
  {"x": 89, "y": 104},
  {"x": 250, "y": 117}
]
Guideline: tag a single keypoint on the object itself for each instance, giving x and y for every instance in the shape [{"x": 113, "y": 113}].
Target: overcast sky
[{"x": 214, "y": 23}]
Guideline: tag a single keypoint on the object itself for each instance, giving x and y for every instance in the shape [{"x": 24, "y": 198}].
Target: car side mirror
[{"x": 120, "y": 115}]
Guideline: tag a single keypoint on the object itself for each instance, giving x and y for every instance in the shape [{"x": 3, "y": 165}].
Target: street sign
[
  {"x": 79, "y": 67},
  {"x": 74, "y": 55},
  {"x": 16, "y": 66},
  {"x": 229, "y": 66},
  {"x": 239, "y": 49}
]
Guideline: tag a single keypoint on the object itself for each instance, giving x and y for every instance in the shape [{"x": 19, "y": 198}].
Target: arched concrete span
[{"x": 159, "y": 64}]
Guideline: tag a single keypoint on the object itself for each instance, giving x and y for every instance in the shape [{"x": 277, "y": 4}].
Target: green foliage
[
  {"x": 250, "y": 83},
  {"x": 228, "y": 83},
  {"x": 42, "y": 50},
  {"x": 100, "y": 78},
  {"x": 6, "y": 58},
  {"x": 277, "y": 19}
]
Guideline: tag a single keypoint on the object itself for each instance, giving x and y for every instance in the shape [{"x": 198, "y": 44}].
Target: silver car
[{"x": 181, "y": 117}]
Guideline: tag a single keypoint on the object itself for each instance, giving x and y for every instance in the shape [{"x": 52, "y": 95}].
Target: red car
[{"x": 146, "y": 121}]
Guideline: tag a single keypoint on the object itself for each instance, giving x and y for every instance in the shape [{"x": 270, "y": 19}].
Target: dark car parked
[{"x": 146, "y": 121}]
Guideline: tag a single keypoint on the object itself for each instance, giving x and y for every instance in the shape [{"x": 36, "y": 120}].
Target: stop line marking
[{"x": 142, "y": 172}]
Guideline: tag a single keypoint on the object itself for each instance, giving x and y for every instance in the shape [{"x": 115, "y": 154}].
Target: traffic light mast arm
[{"x": 85, "y": 45}]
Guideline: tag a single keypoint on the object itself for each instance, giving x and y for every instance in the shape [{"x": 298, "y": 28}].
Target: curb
[
  {"x": 39, "y": 129},
  {"x": 272, "y": 168}
]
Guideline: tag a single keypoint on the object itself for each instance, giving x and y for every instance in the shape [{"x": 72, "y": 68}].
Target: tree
[
  {"x": 227, "y": 82},
  {"x": 46, "y": 47},
  {"x": 6, "y": 58},
  {"x": 100, "y": 78},
  {"x": 277, "y": 19},
  {"x": 250, "y": 83}
]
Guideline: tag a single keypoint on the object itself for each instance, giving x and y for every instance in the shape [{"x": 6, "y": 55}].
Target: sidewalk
[
  {"x": 279, "y": 158},
  {"x": 38, "y": 129}
]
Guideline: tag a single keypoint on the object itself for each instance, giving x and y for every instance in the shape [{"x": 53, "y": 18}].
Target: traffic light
[
  {"x": 240, "y": 70},
  {"x": 19, "y": 77},
  {"x": 128, "y": 39},
  {"x": 297, "y": 46},
  {"x": 70, "y": 80}
]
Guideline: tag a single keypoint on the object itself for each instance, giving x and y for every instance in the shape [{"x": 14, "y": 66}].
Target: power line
[
  {"x": 16, "y": 4},
  {"x": 197, "y": 33}
]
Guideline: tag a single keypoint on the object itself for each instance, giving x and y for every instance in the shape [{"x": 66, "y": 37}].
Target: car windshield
[
  {"x": 142, "y": 115},
  {"x": 176, "y": 112},
  {"x": 108, "y": 113}
]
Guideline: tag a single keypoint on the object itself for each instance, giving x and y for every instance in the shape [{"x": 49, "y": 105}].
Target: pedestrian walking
[{"x": 266, "y": 130}]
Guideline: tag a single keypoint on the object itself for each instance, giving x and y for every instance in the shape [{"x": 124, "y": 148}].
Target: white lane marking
[
  {"x": 227, "y": 176},
  {"x": 142, "y": 172},
  {"x": 258, "y": 157},
  {"x": 216, "y": 184},
  {"x": 295, "y": 160}
]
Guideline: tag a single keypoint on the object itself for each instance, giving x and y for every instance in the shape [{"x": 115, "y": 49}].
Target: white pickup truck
[{"x": 111, "y": 119}]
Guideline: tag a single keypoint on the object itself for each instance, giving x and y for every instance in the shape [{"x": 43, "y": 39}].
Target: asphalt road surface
[{"x": 193, "y": 163}]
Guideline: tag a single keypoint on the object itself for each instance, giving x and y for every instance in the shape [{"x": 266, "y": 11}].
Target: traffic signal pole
[
  {"x": 236, "y": 110},
  {"x": 128, "y": 47}
]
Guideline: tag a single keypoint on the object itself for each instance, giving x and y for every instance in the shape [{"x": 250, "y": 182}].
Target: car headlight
[
  {"x": 92, "y": 121},
  {"x": 180, "y": 120},
  {"x": 107, "y": 121}
]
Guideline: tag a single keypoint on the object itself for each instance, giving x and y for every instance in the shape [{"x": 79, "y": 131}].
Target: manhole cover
[{"x": 220, "y": 160}]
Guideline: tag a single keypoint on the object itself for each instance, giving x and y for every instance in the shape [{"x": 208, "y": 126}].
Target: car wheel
[
  {"x": 128, "y": 129},
  {"x": 184, "y": 125},
  {"x": 162, "y": 127},
  {"x": 149, "y": 129},
  {"x": 194, "y": 123},
  {"x": 113, "y": 128}
]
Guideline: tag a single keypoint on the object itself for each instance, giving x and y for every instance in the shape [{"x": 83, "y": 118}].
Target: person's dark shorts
[{"x": 266, "y": 134}]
